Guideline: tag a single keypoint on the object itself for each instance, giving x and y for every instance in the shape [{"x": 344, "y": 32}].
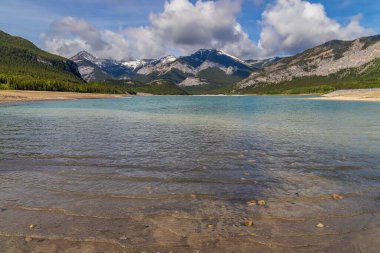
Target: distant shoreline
[
  {"x": 17, "y": 96},
  {"x": 20, "y": 96},
  {"x": 370, "y": 95}
]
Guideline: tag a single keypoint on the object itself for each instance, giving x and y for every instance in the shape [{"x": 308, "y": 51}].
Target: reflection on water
[{"x": 175, "y": 173}]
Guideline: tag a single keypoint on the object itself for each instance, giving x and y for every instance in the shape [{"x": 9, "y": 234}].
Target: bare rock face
[
  {"x": 191, "y": 81},
  {"x": 322, "y": 60}
]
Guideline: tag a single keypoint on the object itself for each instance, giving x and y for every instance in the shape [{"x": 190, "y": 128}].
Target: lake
[{"x": 171, "y": 173}]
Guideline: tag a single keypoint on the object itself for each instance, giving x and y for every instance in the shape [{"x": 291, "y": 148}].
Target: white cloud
[
  {"x": 187, "y": 27},
  {"x": 69, "y": 35},
  {"x": 182, "y": 27},
  {"x": 145, "y": 43},
  {"x": 287, "y": 27},
  {"x": 290, "y": 26}
]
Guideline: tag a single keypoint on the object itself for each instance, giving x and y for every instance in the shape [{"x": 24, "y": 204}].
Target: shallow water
[{"x": 174, "y": 173}]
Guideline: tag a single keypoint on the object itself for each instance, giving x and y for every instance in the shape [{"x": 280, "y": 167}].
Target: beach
[
  {"x": 353, "y": 95},
  {"x": 7, "y": 96}
]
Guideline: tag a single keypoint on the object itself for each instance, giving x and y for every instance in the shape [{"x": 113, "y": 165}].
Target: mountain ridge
[
  {"x": 184, "y": 71},
  {"x": 23, "y": 64},
  {"x": 331, "y": 62},
  {"x": 332, "y": 65}
]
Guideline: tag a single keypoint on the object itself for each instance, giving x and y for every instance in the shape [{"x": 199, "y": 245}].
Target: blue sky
[{"x": 46, "y": 23}]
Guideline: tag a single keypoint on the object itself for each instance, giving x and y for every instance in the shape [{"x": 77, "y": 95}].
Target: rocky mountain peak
[{"x": 84, "y": 55}]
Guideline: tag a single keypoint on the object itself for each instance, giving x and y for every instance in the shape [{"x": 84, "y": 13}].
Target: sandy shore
[
  {"x": 27, "y": 96},
  {"x": 353, "y": 95}
]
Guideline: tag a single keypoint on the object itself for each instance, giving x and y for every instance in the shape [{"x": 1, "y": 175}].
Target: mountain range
[
  {"x": 333, "y": 65},
  {"x": 206, "y": 69}
]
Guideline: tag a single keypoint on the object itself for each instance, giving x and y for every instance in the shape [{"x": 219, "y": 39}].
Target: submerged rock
[
  {"x": 248, "y": 222},
  {"x": 320, "y": 225},
  {"x": 251, "y": 203},
  {"x": 262, "y": 202},
  {"x": 337, "y": 196}
]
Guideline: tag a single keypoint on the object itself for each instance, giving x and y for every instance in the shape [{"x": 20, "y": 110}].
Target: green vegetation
[
  {"x": 367, "y": 76},
  {"x": 23, "y": 66}
]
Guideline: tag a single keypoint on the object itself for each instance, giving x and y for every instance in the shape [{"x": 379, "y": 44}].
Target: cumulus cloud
[
  {"x": 289, "y": 26},
  {"x": 70, "y": 35},
  {"x": 182, "y": 27},
  {"x": 187, "y": 27}
]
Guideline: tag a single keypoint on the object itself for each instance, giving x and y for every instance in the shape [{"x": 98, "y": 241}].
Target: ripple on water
[{"x": 163, "y": 177}]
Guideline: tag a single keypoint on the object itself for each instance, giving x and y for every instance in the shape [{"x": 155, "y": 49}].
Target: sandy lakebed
[{"x": 190, "y": 174}]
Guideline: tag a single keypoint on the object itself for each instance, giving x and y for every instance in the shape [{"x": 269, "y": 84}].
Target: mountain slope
[
  {"x": 89, "y": 70},
  {"x": 209, "y": 69},
  {"x": 333, "y": 65},
  {"x": 23, "y": 65},
  {"x": 212, "y": 58},
  {"x": 96, "y": 69}
]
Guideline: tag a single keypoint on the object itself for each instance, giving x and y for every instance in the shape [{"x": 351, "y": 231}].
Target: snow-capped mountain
[
  {"x": 134, "y": 64},
  {"x": 90, "y": 67},
  {"x": 204, "y": 67},
  {"x": 83, "y": 55},
  {"x": 157, "y": 65},
  {"x": 214, "y": 58},
  {"x": 96, "y": 69}
]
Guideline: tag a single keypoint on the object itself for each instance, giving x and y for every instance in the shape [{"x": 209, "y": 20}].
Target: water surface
[{"x": 175, "y": 173}]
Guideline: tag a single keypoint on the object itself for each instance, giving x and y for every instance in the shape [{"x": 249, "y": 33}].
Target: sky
[{"x": 125, "y": 29}]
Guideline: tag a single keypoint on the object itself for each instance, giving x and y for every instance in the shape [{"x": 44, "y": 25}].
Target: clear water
[{"x": 161, "y": 170}]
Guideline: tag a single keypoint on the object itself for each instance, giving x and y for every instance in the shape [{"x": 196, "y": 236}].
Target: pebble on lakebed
[
  {"x": 248, "y": 222},
  {"x": 261, "y": 202},
  {"x": 251, "y": 203},
  {"x": 320, "y": 225},
  {"x": 337, "y": 196}
]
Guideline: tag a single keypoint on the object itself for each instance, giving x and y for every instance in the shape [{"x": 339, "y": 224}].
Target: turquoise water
[{"x": 181, "y": 163}]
